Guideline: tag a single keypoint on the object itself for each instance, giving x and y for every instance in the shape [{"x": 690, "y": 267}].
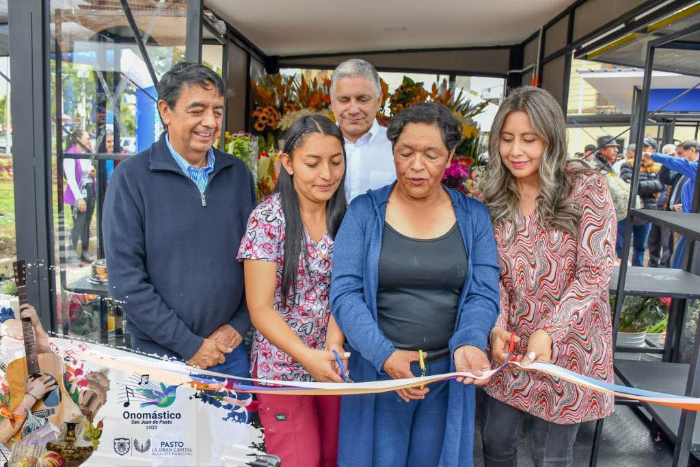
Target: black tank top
[{"x": 420, "y": 282}]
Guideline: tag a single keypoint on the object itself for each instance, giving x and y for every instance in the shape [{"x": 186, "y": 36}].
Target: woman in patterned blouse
[
  {"x": 554, "y": 223},
  {"x": 287, "y": 253}
]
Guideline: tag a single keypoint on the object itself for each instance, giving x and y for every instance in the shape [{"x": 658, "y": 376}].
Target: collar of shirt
[
  {"x": 367, "y": 137},
  {"x": 186, "y": 167}
]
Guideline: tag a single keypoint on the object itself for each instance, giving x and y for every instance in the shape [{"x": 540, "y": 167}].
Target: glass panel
[
  {"x": 8, "y": 240},
  {"x": 590, "y": 95},
  {"x": 212, "y": 56},
  {"x": 104, "y": 107},
  {"x": 479, "y": 89}
]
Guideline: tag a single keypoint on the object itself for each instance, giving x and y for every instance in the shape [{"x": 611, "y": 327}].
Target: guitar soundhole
[{"x": 52, "y": 398}]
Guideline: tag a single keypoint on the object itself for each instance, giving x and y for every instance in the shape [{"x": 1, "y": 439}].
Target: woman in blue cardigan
[{"x": 415, "y": 271}]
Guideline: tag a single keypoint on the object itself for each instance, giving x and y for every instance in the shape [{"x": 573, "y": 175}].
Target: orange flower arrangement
[{"x": 272, "y": 97}]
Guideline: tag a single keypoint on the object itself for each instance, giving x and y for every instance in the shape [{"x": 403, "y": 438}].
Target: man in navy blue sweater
[{"x": 173, "y": 218}]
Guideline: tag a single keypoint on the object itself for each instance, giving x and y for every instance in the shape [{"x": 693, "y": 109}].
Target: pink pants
[{"x": 301, "y": 430}]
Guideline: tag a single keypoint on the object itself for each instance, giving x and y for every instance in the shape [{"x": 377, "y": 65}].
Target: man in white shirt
[{"x": 355, "y": 98}]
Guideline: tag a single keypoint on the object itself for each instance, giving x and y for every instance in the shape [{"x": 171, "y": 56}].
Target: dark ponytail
[{"x": 294, "y": 241}]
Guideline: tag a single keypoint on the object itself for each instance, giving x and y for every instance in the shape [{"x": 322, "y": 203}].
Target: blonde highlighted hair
[{"x": 554, "y": 209}]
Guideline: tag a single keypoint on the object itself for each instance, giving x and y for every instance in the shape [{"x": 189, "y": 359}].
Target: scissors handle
[
  {"x": 421, "y": 361},
  {"x": 511, "y": 347},
  {"x": 511, "y": 343},
  {"x": 343, "y": 371}
]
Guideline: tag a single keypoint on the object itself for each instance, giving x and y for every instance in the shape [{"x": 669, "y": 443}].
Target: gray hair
[
  {"x": 356, "y": 68},
  {"x": 668, "y": 149},
  {"x": 501, "y": 195}
]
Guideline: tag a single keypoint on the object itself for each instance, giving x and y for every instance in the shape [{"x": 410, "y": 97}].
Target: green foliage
[
  {"x": 3, "y": 105},
  {"x": 640, "y": 313},
  {"x": 9, "y": 288}
]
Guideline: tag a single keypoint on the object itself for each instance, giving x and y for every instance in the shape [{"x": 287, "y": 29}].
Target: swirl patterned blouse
[
  {"x": 553, "y": 281},
  {"x": 306, "y": 311}
]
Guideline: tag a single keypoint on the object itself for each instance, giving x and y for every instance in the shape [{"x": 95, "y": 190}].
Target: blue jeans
[
  {"x": 640, "y": 234},
  {"x": 552, "y": 444},
  {"x": 412, "y": 433},
  {"x": 679, "y": 254}
]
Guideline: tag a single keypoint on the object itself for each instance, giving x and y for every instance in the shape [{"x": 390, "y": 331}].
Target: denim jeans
[
  {"x": 640, "y": 234},
  {"x": 552, "y": 444}
]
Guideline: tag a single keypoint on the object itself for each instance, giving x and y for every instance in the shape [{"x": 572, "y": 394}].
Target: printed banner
[
  {"x": 138, "y": 410},
  {"x": 134, "y": 410}
]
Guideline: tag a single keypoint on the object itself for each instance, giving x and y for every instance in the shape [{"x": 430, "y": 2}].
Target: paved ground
[{"x": 626, "y": 442}]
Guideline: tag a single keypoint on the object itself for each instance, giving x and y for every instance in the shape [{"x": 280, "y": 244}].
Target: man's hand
[
  {"x": 209, "y": 354},
  {"x": 473, "y": 360},
  {"x": 539, "y": 348},
  {"x": 398, "y": 366},
  {"x": 82, "y": 206},
  {"x": 500, "y": 341},
  {"x": 228, "y": 336}
]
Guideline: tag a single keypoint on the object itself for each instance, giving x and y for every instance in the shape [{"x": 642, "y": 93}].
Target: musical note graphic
[
  {"x": 144, "y": 380},
  {"x": 128, "y": 392}
]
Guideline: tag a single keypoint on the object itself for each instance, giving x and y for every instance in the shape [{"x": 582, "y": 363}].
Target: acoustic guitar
[{"x": 56, "y": 406}]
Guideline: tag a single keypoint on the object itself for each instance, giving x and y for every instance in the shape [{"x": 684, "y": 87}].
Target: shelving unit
[{"x": 682, "y": 285}]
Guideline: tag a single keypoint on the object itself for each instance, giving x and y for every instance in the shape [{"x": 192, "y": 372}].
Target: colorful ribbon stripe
[{"x": 173, "y": 372}]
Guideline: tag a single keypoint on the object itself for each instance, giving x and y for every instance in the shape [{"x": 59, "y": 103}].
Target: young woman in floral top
[
  {"x": 287, "y": 253},
  {"x": 554, "y": 223}
]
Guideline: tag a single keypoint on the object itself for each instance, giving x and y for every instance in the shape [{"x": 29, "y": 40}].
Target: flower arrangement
[
  {"x": 268, "y": 171},
  {"x": 272, "y": 98},
  {"x": 464, "y": 176},
  {"x": 406, "y": 95},
  {"x": 291, "y": 117},
  {"x": 279, "y": 101}
]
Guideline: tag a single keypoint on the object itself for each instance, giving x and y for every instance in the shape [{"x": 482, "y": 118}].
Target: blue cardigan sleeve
[
  {"x": 480, "y": 308},
  {"x": 125, "y": 249},
  {"x": 348, "y": 306}
]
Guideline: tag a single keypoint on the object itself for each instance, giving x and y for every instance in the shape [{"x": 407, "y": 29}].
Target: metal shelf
[
  {"x": 670, "y": 378},
  {"x": 685, "y": 223},
  {"x": 658, "y": 282}
]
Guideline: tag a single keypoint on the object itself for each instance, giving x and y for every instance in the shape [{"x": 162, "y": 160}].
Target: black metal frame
[
  {"x": 683, "y": 441},
  {"x": 31, "y": 112},
  {"x": 193, "y": 31}
]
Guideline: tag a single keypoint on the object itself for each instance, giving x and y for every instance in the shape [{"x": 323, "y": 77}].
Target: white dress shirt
[{"x": 370, "y": 162}]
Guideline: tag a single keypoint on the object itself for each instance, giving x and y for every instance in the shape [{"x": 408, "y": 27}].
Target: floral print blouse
[{"x": 306, "y": 310}]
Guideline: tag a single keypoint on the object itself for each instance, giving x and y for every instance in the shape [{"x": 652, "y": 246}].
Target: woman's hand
[
  {"x": 539, "y": 348},
  {"x": 500, "y": 342},
  {"x": 320, "y": 363},
  {"x": 398, "y": 366},
  {"x": 344, "y": 357},
  {"x": 473, "y": 360},
  {"x": 81, "y": 205}
]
